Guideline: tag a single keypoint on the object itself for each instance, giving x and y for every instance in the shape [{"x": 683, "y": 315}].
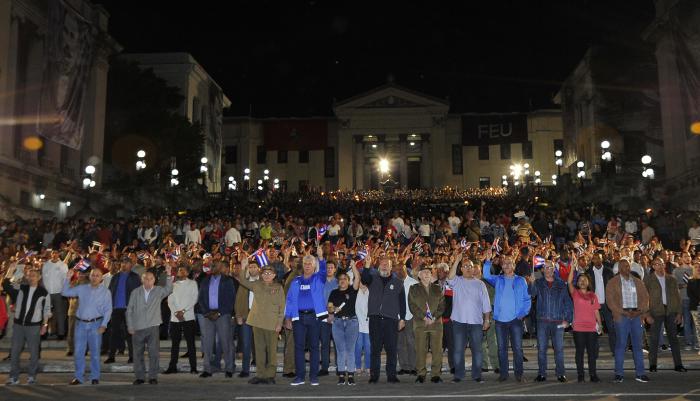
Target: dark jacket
[
  {"x": 673, "y": 296},
  {"x": 693, "y": 294},
  {"x": 553, "y": 304},
  {"x": 28, "y": 312},
  {"x": 227, "y": 295},
  {"x": 133, "y": 281},
  {"x": 384, "y": 300}
]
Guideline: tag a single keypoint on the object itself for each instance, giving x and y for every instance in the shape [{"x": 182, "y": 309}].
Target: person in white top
[
  {"x": 362, "y": 345},
  {"x": 454, "y": 221},
  {"x": 232, "y": 237},
  {"x": 407, "y": 340},
  {"x": 193, "y": 235},
  {"x": 181, "y": 303},
  {"x": 53, "y": 273},
  {"x": 424, "y": 229},
  {"x": 694, "y": 234}
]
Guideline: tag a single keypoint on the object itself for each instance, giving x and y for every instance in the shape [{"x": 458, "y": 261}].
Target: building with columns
[
  {"x": 425, "y": 145},
  {"x": 203, "y": 103},
  {"x": 53, "y": 80}
]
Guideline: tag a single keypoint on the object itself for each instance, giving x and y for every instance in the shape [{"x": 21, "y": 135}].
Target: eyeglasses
[{"x": 268, "y": 272}]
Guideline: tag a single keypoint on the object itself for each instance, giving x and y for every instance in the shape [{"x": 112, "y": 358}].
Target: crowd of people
[{"x": 415, "y": 275}]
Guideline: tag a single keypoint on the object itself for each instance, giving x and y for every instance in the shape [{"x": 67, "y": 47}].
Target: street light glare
[
  {"x": 646, "y": 159},
  {"x": 230, "y": 178},
  {"x": 384, "y": 166},
  {"x": 266, "y": 171},
  {"x": 174, "y": 172},
  {"x": 557, "y": 153},
  {"x": 204, "y": 160},
  {"x": 579, "y": 164},
  {"x": 605, "y": 144},
  {"x": 90, "y": 169},
  {"x": 246, "y": 171},
  {"x": 141, "y": 153}
]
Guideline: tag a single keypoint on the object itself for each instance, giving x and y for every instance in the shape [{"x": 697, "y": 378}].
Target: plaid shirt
[{"x": 629, "y": 293}]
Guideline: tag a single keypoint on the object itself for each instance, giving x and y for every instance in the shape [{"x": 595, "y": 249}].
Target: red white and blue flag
[
  {"x": 82, "y": 265},
  {"x": 261, "y": 257},
  {"x": 538, "y": 262}
]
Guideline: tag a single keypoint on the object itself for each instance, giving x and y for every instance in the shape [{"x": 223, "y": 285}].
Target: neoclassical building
[
  {"x": 425, "y": 145},
  {"x": 53, "y": 82}
]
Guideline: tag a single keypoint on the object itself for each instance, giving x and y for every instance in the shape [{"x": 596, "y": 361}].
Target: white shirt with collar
[
  {"x": 53, "y": 274},
  {"x": 183, "y": 297}
]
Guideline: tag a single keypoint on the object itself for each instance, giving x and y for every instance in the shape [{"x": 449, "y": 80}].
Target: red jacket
[{"x": 3, "y": 313}]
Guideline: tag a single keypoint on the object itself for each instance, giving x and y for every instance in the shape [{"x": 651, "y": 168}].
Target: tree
[{"x": 142, "y": 114}]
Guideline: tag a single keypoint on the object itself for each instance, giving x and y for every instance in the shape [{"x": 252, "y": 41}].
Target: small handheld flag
[
  {"x": 427, "y": 312},
  {"x": 261, "y": 257},
  {"x": 82, "y": 265},
  {"x": 538, "y": 262}
]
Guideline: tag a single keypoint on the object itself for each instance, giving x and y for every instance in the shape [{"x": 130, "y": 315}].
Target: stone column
[
  {"x": 403, "y": 161},
  {"x": 9, "y": 36},
  {"x": 359, "y": 165},
  {"x": 426, "y": 177}
]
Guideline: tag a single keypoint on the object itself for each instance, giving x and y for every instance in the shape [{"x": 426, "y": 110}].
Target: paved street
[{"x": 116, "y": 383}]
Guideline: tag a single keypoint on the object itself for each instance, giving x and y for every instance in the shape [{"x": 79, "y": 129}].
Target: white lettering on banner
[
  {"x": 305, "y": 287},
  {"x": 494, "y": 131}
]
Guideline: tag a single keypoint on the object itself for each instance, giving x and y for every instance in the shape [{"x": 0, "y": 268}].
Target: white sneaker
[
  {"x": 31, "y": 380},
  {"x": 11, "y": 381}
]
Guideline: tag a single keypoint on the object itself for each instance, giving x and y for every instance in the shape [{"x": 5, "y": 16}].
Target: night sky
[{"x": 292, "y": 58}]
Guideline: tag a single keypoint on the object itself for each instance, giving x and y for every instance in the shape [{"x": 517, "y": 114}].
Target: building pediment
[{"x": 391, "y": 96}]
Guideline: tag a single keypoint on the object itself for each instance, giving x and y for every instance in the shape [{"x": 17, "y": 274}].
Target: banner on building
[
  {"x": 295, "y": 134},
  {"x": 493, "y": 129},
  {"x": 69, "y": 53}
]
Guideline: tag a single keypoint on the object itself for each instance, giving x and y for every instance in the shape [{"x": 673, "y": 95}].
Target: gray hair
[{"x": 312, "y": 259}]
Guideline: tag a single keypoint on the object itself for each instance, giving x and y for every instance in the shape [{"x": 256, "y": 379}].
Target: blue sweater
[
  {"x": 515, "y": 305},
  {"x": 318, "y": 283},
  {"x": 553, "y": 304}
]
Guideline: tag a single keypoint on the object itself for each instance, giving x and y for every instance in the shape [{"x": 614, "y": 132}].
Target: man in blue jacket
[
  {"x": 121, "y": 286},
  {"x": 216, "y": 298},
  {"x": 305, "y": 308},
  {"x": 554, "y": 313},
  {"x": 510, "y": 306}
]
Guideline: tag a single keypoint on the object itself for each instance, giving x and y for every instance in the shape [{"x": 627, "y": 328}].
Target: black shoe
[
  {"x": 679, "y": 368},
  {"x": 436, "y": 379},
  {"x": 525, "y": 359},
  {"x": 413, "y": 372},
  {"x": 351, "y": 380},
  {"x": 618, "y": 379},
  {"x": 484, "y": 370},
  {"x": 185, "y": 355},
  {"x": 642, "y": 379},
  {"x": 420, "y": 379},
  {"x": 323, "y": 372},
  {"x": 341, "y": 380},
  {"x": 582, "y": 379},
  {"x": 540, "y": 378},
  {"x": 230, "y": 375},
  {"x": 393, "y": 379},
  {"x": 153, "y": 381},
  {"x": 290, "y": 375},
  {"x": 479, "y": 380},
  {"x": 69, "y": 353},
  {"x": 595, "y": 379},
  {"x": 170, "y": 371},
  {"x": 130, "y": 360},
  {"x": 109, "y": 360},
  {"x": 562, "y": 379},
  {"x": 652, "y": 368},
  {"x": 205, "y": 374},
  {"x": 452, "y": 371},
  {"x": 138, "y": 381},
  {"x": 373, "y": 380},
  {"x": 120, "y": 352},
  {"x": 75, "y": 382},
  {"x": 456, "y": 380},
  {"x": 244, "y": 374},
  {"x": 61, "y": 338},
  {"x": 255, "y": 380},
  {"x": 402, "y": 372},
  {"x": 497, "y": 371},
  {"x": 95, "y": 382}
]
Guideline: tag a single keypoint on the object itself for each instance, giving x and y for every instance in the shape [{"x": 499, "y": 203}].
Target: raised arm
[
  {"x": 570, "y": 281},
  {"x": 355, "y": 276},
  {"x": 453, "y": 269}
]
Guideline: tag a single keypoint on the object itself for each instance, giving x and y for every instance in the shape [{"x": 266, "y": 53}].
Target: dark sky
[{"x": 292, "y": 57}]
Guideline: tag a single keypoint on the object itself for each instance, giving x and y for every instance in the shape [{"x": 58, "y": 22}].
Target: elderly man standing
[
  {"x": 664, "y": 309},
  {"x": 121, "y": 285},
  {"x": 427, "y": 304},
  {"x": 53, "y": 272},
  {"x": 32, "y": 310},
  {"x": 92, "y": 317},
  {"x": 470, "y": 316},
  {"x": 511, "y": 305},
  {"x": 554, "y": 312},
  {"x": 628, "y": 300},
  {"x": 386, "y": 311},
  {"x": 216, "y": 299}
]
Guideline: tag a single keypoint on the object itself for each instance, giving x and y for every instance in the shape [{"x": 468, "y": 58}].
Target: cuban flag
[
  {"x": 495, "y": 246},
  {"x": 463, "y": 243},
  {"x": 427, "y": 312},
  {"x": 261, "y": 257},
  {"x": 538, "y": 262},
  {"x": 321, "y": 232},
  {"x": 362, "y": 254},
  {"x": 82, "y": 265}
]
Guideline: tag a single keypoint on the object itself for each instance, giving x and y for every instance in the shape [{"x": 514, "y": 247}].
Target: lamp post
[
  {"x": 580, "y": 165},
  {"x": 558, "y": 160},
  {"x": 554, "y": 179},
  {"x": 504, "y": 181},
  {"x": 140, "y": 160},
  {"x": 647, "y": 173},
  {"x": 606, "y": 156},
  {"x": 246, "y": 178}
]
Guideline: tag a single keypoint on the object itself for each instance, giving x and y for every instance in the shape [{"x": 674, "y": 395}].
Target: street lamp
[
  {"x": 383, "y": 166},
  {"x": 88, "y": 181},
  {"x": 266, "y": 172},
  {"x": 554, "y": 179},
  {"x": 141, "y": 162}
]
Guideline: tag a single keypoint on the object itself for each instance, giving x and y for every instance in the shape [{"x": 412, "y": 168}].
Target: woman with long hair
[{"x": 587, "y": 324}]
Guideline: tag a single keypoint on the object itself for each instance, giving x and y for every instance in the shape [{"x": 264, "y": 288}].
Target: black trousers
[
  {"x": 176, "y": 330},
  {"x": 119, "y": 333},
  {"x": 586, "y": 341},
  {"x": 383, "y": 333}
]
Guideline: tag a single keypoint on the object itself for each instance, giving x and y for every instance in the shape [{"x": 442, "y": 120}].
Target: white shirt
[
  {"x": 232, "y": 237},
  {"x": 361, "y": 310},
  {"x": 599, "y": 284},
  {"x": 454, "y": 223},
  {"x": 424, "y": 230},
  {"x": 662, "y": 282},
  {"x": 53, "y": 274},
  {"x": 630, "y": 227},
  {"x": 193, "y": 236},
  {"x": 407, "y": 283},
  {"x": 183, "y": 297},
  {"x": 333, "y": 230},
  {"x": 251, "y": 294},
  {"x": 147, "y": 292},
  {"x": 397, "y": 223},
  {"x": 694, "y": 235}
]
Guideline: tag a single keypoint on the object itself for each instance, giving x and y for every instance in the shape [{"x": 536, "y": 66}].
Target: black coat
[{"x": 133, "y": 281}]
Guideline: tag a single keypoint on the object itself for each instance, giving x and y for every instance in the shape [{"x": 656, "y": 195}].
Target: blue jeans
[
  {"x": 512, "y": 330},
  {"x": 326, "y": 330},
  {"x": 345, "y": 334},
  {"x": 306, "y": 330},
  {"x": 245, "y": 334},
  {"x": 545, "y": 332},
  {"x": 463, "y": 332},
  {"x": 87, "y": 336},
  {"x": 624, "y": 328},
  {"x": 688, "y": 324},
  {"x": 362, "y": 345}
]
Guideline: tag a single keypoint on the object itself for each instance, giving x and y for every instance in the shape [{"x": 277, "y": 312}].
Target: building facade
[
  {"x": 424, "y": 144},
  {"x": 203, "y": 103},
  {"x": 53, "y": 80}
]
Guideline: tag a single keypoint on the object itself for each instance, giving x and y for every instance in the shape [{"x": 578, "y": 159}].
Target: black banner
[{"x": 493, "y": 129}]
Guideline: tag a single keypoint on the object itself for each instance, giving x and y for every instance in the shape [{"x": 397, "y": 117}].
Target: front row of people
[{"x": 631, "y": 301}]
